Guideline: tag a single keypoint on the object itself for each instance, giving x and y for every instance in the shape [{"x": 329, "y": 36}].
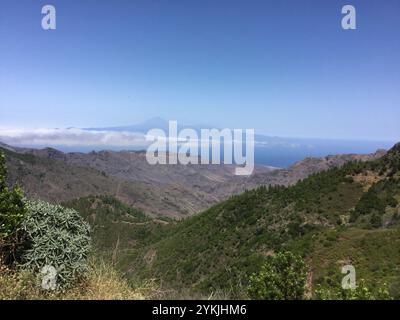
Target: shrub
[
  {"x": 361, "y": 292},
  {"x": 57, "y": 237},
  {"x": 12, "y": 212},
  {"x": 282, "y": 277},
  {"x": 376, "y": 220}
]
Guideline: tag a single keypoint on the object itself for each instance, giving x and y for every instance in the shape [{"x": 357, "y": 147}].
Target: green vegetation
[
  {"x": 58, "y": 237},
  {"x": 374, "y": 253},
  {"x": 282, "y": 277},
  {"x": 99, "y": 208},
  {"x": 12, "y": 213},
  {"x": 361, "y": 292},
  {"x": 37, "y": 234},
  {"x": 115, "y": 225},
  {"x": 222, "y": 247},
  {"x": 374, "y": 202}
]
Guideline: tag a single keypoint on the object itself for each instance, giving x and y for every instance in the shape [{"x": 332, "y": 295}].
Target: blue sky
[{"x": 282, "y": 67}]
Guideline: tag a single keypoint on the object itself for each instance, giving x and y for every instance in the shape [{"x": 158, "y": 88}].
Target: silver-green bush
[{"x": 56, "y": 237}]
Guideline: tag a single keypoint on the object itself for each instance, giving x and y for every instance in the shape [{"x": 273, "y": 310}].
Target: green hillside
[
  {"x": 344, "y": 214},
  {"x": 375, "y": 254},
  {"x": 116, "y": 226}
]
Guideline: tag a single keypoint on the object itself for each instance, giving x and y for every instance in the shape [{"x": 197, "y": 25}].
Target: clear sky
[{"x": 281, "y": 67}]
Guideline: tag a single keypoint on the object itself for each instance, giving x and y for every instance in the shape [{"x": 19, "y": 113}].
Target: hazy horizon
[{"x": 269, "y": 150}]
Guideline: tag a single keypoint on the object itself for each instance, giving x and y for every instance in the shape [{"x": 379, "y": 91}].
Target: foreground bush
[
  {"x": 57, "y": 237},
  {"x": 282, "y": 277},
  {"x": 12, "y": 212}
]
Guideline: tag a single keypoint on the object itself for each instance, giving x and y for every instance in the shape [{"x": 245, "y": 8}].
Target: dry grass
[{"x": 103, "y": 283}]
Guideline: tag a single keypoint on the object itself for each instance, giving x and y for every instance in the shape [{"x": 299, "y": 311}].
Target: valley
[
  {"x": 332, "y": 211},
  {"x": 175, "y": 191}
]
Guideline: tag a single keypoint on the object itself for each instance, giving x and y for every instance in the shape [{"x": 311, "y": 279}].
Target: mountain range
[{"x": 161, "y": 190}]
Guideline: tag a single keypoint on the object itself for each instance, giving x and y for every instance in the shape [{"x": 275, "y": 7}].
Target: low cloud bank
[{"x": 71, "y": 137}]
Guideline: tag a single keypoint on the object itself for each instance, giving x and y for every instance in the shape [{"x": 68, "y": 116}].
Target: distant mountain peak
[{"x": 156, "y": 120}]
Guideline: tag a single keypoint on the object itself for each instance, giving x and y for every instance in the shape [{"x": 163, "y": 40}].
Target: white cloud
[
  {"x": 82, "y": 137},
  {"x": 70, "y": 137}
]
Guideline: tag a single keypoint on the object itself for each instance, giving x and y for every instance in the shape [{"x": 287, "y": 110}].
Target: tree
[
  {"x": 282, "y": 277},
  {"x": 12, "y": 212}
]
